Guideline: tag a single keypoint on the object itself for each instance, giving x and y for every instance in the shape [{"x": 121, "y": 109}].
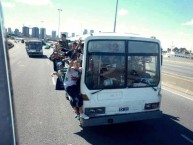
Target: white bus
[
  {"x": 120, "y": 79},
  {"x": 34, "y": 48}
]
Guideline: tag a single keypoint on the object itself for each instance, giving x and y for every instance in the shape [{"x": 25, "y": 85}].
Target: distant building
[
  {"x": 25, "y": 31},
  {"x": 35, "y": 32},
  {"x": 53, "y": 34},
  {"x": 73, "y": 34},
  {"x": 16, "y": 32},
  {"x": 5, "y": 30},
  {"x": 85, "y": 31},
  {"x": 65, "y": 33},
  {"x": 91, "y": 31},
  {"x": 42, "y": 33},
  {"x": 9, "y": 31}
]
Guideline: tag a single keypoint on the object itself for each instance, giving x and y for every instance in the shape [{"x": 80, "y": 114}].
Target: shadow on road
[{"x": 163, "y": 131}]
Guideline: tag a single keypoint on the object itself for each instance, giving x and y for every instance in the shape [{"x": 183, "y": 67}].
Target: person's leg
[
  {"x": 79, "y": 104},
  {"x": 82, "y": 115},
  {"x": 70, "y": 90}
]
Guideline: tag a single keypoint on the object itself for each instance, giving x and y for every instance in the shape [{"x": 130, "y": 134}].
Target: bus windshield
[
  {"x": 119, "y": 64},
  {"x": 35, "y": 45}
]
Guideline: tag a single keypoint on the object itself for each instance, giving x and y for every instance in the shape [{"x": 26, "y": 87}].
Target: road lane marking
[
  {"x": 189, "y": 79},
  {"x": 188, "y": 139},
  {"x": 11, "y": 54},
  {"x": 18, "y": 62},
  {"x": 177, "y": 94},
  {"x": 53, "y": 81},
  {"x": 21, "y": 65},
  {"x": 48, "y": 62},
  {"x": 179, "y": 61}
]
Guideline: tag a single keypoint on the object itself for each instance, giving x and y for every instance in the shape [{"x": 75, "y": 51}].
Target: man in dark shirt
[{"x": 64, "y": 43}]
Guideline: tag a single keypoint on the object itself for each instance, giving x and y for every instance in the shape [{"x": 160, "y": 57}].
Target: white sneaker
[
  {"x": 82, "y": 115},
  {"x": 77, "y": 116}
]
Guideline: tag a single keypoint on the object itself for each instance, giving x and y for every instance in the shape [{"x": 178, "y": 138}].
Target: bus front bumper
[
  {"x": 121, "y": 118},
  {"x": 35, "y": 53}
]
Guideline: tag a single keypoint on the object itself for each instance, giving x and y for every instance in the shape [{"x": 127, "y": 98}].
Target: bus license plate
[{"x": 123, "y": 109}]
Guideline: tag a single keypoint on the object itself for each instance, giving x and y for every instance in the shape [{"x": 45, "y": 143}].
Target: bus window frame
[
  {"x": 107, "y": 53},
  {"x": 142, "y": 54},
  {"x": 125, "y": 54}
]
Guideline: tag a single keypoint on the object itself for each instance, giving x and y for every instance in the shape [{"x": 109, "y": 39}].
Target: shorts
[{"x": 76, "y": 99}]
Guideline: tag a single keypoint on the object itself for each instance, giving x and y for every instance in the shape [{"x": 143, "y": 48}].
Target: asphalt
[{"x": 179, "y": 82}]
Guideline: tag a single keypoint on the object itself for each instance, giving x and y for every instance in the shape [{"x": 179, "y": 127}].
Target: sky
[{"x": 171, "y": 21}]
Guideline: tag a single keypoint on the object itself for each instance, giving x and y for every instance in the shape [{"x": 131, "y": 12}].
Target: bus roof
[
  {"x": 127, "y": 36},
  {"x": 120, "y": 36}
]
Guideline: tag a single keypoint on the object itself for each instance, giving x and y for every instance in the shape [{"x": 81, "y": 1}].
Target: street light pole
[
  {"x": 115, "y": 17},
  {"x": 59, "y": 10}
]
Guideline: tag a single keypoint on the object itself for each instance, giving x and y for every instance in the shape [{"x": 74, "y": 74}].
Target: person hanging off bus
[
  {"x": 76, "y": 52},
  {"x": 64, "y": 43},
  {"x": 72, "y": 88},
  {"x": 61, "y": 76}
]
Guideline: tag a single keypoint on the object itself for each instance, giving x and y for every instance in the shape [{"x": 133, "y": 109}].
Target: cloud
[
  {"x": 35, "y": 2},
  {"x": 122, "y": 12},
  {"x": 189, "y": 23},
  {"x": 8, "y": 4}
]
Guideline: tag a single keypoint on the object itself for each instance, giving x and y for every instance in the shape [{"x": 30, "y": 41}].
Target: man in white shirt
[{"x": 71, "y": 87}]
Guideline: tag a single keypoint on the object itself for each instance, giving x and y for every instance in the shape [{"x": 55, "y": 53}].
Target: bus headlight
[
  {"x": 94, "y": 111},
  {"x": 151, "y": 106}
]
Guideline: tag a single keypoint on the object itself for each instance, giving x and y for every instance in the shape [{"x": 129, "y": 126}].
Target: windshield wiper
[
  {"x": 145, "y": 81},
  {"x": 97, "y": 91}
]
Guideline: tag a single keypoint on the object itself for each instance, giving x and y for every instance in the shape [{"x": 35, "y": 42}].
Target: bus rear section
[
  {"x": 121, "y": 79},
  {"x": 34, "y": 48}
]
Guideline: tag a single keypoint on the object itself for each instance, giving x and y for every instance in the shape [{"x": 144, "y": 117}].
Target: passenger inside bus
[
  {"x": 111, "y": 71},
  {"x": 137, "y": 71}
]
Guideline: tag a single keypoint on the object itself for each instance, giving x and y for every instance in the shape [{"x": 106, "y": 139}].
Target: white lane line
[
  {"x": 48, "y": 62},
  {"x": 178, "y": 61},
  {"x": 188, "y": 139},
  {"x": 189, "y": 79},
  {"x": 21, "y": 65},
  {"x": 53, "y": 81},
  {"x": 177, "y": 94},
  {"x": 18, "y": 62}
]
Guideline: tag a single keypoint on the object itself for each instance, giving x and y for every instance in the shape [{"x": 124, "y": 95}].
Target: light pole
[
  {"x": 115, "y": 17},
  {"x": 59, "y": 10},
  {"x": 42, "y": 31}
]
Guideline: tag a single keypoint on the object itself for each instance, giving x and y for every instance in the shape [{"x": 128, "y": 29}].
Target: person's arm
[
  {"x": 70, "y": 66},
  {"x": 57, "y": 74},
  {"x": 79, "y": 43},
  {"x": 109, "y": 71}
]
